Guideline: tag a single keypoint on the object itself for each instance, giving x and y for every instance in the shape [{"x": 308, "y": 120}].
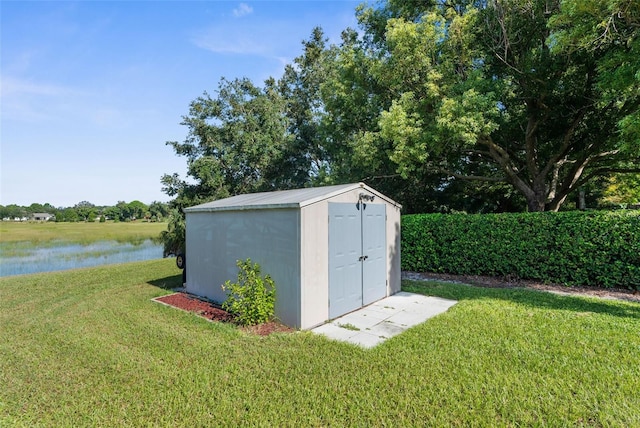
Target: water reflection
[{"x": 15, "y": 260}]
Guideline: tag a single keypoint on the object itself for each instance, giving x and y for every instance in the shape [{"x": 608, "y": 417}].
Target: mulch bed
[{"x": 213, "y": 312}]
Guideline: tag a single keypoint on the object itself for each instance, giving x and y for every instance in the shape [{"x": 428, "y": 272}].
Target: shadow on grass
[
  {"x": 167, "y": 283},
  {"x": 532, "y": 298}
]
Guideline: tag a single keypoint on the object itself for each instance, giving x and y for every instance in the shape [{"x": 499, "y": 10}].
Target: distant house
[{"x": 41, "y": 216}]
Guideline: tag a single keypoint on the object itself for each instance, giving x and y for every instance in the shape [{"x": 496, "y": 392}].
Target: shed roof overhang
[{"x": 282, "y": 199}]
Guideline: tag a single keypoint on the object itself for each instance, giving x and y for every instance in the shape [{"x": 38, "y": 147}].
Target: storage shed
[{"x": 330, "y": 250}]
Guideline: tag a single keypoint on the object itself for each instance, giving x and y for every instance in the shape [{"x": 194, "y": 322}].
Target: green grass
[
  {"x": 88, "y": 347},
  {"x": 47, "y": 233}
]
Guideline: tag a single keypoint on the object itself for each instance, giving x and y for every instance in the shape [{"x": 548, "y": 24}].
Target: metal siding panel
[
  {"x": 215, "y": 241},
  {"x": 202, "y": 256}
]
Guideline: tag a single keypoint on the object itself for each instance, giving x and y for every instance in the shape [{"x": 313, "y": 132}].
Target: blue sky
[{"x": 92, "y": 90}]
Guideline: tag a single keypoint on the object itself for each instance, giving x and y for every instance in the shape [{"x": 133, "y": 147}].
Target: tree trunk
[
  {"x": 535, "y": 205},
  {"x": 537, "y": 197},
  {"x": 582, "y": 205}
]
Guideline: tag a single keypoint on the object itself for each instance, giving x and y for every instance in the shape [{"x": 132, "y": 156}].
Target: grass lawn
[
  {"x": 89, "y": 347},
  {"x": 80, "y": 233}
]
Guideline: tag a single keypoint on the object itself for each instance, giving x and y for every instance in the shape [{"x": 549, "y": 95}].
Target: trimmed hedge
[{"x": 597, "y": 248}]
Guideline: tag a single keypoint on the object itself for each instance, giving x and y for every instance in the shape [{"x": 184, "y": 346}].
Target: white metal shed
[{"x": 330, "y": 250}]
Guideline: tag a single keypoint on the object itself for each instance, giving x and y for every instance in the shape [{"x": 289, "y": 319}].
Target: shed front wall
[
  {"x": 314, "y": 219},
  {"x": 216, "y": 240}
]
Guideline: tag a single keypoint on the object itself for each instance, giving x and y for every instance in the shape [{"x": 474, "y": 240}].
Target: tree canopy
[
  {"x": 472, "y": 105},
  {"x": 236, "y": 143},
  {"x": 86, "y": 211},
  {"x": 507, "y": 91}
]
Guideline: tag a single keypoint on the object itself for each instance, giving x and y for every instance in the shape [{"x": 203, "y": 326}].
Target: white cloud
[
  {"x": 242, "y": 10},
  {"x": 13, "y": 86},
  {"x": 31, "y": 101},
  {"x": 234, "y": 42},
  {"x": 105, "y": 117},
  {"x": 242, "y": 38}
]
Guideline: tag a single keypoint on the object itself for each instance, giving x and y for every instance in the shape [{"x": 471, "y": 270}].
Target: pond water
[{"x": 22, "y": 258}]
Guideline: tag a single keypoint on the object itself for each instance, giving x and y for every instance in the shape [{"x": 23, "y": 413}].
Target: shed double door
[{"x": 357, "y": 256}]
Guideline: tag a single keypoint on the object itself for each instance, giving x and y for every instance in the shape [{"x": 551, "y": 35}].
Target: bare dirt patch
[
  {"x": 497, "y": 282},
  {"x": 213, "y": 312}
]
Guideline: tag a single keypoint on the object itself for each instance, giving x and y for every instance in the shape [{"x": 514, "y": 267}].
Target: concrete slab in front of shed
[
  {"x": 335, "y": 332},
  {"x": 373, "y": 324}
]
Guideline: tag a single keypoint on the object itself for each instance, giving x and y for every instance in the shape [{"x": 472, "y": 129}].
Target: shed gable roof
[{"x": 296, "y": 198}]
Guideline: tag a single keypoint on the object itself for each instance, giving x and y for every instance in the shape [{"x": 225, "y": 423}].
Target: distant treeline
[{"x": 86, "y": 211}]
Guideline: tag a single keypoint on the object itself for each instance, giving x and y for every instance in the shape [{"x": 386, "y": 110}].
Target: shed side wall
[{"x": 216, "y": 240}]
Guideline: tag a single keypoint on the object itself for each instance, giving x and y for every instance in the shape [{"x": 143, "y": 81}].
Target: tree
[
  {"x": 12, "y": 211},
  {"x": 158, "y": 210},
  {"x": 235, "y": 143},
  {"x": 355, "y": 94},
  {"x": 112, "y": 213},
  {"x": 505, "y": 91},
  {"x": 611, "y": 29},
  {"x": 85, "y": 210},
  {"x": 622, "y": 190},
  {"x": 173, "y": 239},
  {"x": 305, "y": 156},
  {"x": 136, "y": 210},
  {"x": 67, "y": 214},
  {"x": 48, "y": 208},
  {"x": 35, "y": 208},
  {"x": 124, "y": 210},
  {"x": 352, "y": 99}
]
